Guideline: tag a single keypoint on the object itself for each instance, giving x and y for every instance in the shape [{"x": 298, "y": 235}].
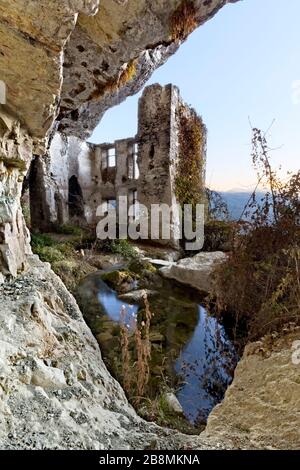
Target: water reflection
[
  {"x": 205, "y": 366},
  {"x": 190, "y": 350},
  {"x": 113, "y": 306}
]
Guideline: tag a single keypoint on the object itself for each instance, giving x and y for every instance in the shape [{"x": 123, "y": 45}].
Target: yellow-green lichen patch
[
  {"x": 125, "y": 76},
  {"x": 12, "y": 163}
]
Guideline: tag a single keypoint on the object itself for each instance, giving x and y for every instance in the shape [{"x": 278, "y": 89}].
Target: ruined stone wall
[
  {"x": 101, "y": 179},
  {"x": 158, "y": 136},
  {"x": 69, "y": 157},
  {"x": 49, "y": 181},
  {"x": 116, "y": 181}
]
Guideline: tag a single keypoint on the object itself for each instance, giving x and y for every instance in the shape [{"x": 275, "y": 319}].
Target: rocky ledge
[
  {"x": 195, "y": 271},
  {"x": 261, "y": 407},
  {"x": 55, "y": 391}
]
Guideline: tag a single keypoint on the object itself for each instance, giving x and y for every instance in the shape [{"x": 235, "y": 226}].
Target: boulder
[
  {"x": 261, "y": 407},
  {"x": 137, "y": 296},
  {"x": 173, "y": 403},
  {"x": 195, "y": 271}
]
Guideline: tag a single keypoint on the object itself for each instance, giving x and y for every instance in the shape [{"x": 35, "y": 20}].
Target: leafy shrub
[
  {"x": 41, "y": 240},
  {"x": 67, "y": 229},
  {"x": 218, "y": 235},
  {"x": 190, "y": 165},
  {"x": 259, "y": 285},
  {"x": 123, "y": 248},
  {"x": 48, "y": 254},
  {"x": 48, "y": 249},
  {"x": 217, "y": 207}
]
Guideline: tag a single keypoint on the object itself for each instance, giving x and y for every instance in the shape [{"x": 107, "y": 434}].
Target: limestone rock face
[
  {"x": 55, "y": 392},
  {"x": 261, "y": 407},
  {"x": 15, "y": 155},
  {"x": 195, "y": 271},
  {"x": 32, "y": 37},
  {"x": 73, "y": 55}
]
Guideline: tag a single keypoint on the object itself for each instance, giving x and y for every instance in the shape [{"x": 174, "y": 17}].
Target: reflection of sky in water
[
  {"x": 202, "y": 366},
  {"x": 113, "y": 306},
  {"x": 202, "y": 363}
]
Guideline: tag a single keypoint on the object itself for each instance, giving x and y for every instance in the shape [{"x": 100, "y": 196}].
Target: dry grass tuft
[
  {"x": 125, "y": 76},
  {"x": 183, "y": 21},
  {"x": 136, "y": 372}
]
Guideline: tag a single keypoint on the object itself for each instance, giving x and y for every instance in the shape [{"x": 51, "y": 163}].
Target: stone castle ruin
[
  {"x": 77, "y": 177},
  {"x": 63, "y": 64}
]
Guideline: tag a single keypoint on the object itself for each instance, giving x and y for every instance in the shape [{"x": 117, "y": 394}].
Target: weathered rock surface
[
  {"x": 157, "y": 252},
  {"x": 33, "y": 35},
  {"x": 195, "y": 271},
  {"x": 55, "y": 392},
  {"x": 173, "y": 403},
  {"x": 261, "y": 408},
  {"x": 111, "y": 55},
  {"x": 15, "y": 155},
  {"x": 63, "y": 53}
]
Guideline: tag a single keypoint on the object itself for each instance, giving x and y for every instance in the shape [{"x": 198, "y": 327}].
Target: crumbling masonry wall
[
  {"x": 159, "y": 151},
  {"x": 143, "y": 168}
]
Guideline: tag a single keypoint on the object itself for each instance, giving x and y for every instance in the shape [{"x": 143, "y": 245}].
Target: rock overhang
[{"x": 68, "y": 61}]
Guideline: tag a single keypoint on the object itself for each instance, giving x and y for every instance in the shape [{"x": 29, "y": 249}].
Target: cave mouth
[{"x": 75, "y": 199}]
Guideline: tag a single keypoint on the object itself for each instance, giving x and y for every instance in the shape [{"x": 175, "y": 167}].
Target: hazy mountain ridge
[{"x": 236, "y": 201}]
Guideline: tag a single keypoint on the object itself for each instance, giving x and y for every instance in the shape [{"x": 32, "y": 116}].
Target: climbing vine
[{"x": 190, "y": 166}]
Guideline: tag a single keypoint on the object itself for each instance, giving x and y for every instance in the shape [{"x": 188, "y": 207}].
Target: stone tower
[{"x": 158, "y": 137}]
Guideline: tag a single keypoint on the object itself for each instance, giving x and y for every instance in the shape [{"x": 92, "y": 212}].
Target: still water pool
[{"x": 191, "y": 352}]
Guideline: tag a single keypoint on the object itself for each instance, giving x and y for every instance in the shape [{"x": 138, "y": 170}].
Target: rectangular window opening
[
  {"x": 136, "y": 171},
  {"x": 111, "y": 157}
]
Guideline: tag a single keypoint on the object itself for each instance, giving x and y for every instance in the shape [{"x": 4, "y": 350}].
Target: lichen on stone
[
  {"x": 12, "y": 163},
  {"x": 126, "y": 75}
]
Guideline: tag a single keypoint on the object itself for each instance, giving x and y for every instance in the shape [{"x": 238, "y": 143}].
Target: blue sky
[{"x": 241, "y": 64}]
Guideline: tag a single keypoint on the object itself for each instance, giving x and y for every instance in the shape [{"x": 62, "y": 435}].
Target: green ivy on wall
[{"x": 189, "y": 184}]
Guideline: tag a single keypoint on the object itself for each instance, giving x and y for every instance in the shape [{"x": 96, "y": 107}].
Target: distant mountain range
[{"x": 236, "y": 201}]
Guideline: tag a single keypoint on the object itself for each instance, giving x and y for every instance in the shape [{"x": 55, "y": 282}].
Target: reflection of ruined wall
[{"x": 107, "y": 171}]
